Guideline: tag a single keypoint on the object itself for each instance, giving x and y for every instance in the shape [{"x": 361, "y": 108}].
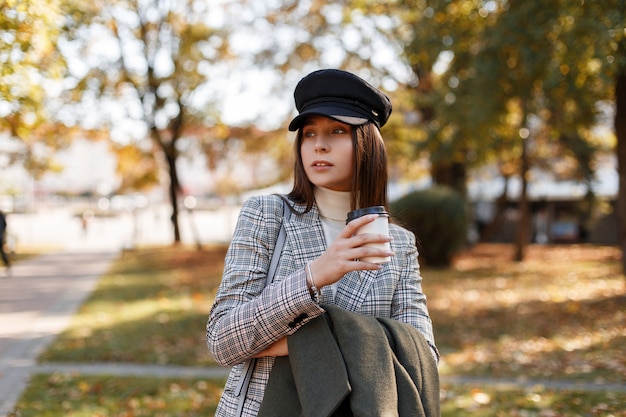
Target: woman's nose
[{"x": 321, "y": 145}]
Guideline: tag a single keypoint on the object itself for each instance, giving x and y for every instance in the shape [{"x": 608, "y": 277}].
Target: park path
[
  {"x": 37, "y": 302},
  {"x": 39, "y": 299}
]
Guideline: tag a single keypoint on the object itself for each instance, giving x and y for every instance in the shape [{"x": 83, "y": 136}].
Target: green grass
[
  {"x": 55, "y": 395},
  {"x": 536, "y": 402},
  {"x": 557, "y": 315},
  {"x": 62, "y": 395},
  {"x": 151, "y": 308}
]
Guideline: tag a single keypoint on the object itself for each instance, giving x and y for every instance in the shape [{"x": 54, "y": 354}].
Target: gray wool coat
[{"x": 347, "y": 364}]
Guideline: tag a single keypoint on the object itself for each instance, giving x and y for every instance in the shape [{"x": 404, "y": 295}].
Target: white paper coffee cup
[{"x": 378, "y": 226}]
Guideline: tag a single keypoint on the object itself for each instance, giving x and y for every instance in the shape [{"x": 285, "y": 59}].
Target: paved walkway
[{"x": 37, "y": 303}]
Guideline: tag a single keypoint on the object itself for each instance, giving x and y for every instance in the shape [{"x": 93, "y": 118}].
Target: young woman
[{"x": 340, "y": 166}]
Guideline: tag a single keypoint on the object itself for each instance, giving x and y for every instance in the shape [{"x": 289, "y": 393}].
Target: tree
[
  {"x": 517, "y": 84},
  {"x": 166, "y": 65},
  {"x": 31, "y": 67},
  {"x": 153, "y": 69},
  {"x": 505, "y": 81},
  {"x": 148, "y": 67}
]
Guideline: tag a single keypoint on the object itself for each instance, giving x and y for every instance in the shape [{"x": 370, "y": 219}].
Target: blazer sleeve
[
  {"x": 409, "y": 301},
  {"x": 248, "y": 316}
]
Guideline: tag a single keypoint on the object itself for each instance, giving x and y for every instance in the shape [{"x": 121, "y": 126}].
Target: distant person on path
[
  {"x": 341, "y": 165},
  {"x": 3, "y": 254}
]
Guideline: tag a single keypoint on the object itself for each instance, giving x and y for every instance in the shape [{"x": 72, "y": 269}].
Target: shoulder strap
[
  {"x": 246, "y": 374},
  {"x": 278, "y": 247}
]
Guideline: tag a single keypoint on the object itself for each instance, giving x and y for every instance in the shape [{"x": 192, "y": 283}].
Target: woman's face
[{"x": 327, "y": 153}]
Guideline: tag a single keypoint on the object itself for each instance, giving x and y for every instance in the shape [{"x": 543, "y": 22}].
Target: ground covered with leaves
[{"x": 558, "y": 315}]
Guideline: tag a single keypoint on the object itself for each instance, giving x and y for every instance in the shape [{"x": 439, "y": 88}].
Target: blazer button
[{"x": 297, "y": 320}]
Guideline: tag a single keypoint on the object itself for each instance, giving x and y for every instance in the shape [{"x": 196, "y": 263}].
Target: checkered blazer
[{"x": 248, "y": 316}]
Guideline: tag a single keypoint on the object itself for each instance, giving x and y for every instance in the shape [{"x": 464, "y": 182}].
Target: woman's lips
[{"x": 321, "y": 164}]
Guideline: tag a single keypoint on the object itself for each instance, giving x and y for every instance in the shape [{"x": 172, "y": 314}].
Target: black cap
[{"x": 342, "y": 96}]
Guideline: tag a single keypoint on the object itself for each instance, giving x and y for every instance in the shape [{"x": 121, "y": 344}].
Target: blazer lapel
[
  {"x": 306, "y": 239},
  {"x": 305, "y": 236},
  {"x": 353, "y": 288}
]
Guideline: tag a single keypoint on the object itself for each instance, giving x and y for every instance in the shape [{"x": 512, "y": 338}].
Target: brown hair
[{"x": 369, "y": 178}]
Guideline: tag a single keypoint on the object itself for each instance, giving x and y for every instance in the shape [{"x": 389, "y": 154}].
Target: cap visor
[{"x": 344, "y": 115}]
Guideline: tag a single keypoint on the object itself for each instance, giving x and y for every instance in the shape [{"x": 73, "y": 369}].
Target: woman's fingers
[
  {"x": 345, "y": 253},
  {"x": 365, "y": 238},
  {"x": 352, "y": 239},
  {"x": 353, "y": 227}
]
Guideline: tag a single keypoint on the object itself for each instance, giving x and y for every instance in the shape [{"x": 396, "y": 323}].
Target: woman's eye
[{"x": 339, "y": 131}]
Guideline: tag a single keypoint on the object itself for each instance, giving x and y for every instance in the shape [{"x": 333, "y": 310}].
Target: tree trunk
[
  {"x": 452, "y": 174},
  {"x": 487, "y": 233},
  {"x": 521, "y": 239},
  {"x": 620, "y": 132},
  {"x": 170, "y": 156}
]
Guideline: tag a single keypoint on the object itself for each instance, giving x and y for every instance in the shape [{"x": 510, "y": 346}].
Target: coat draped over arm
[{"x": 347, "y": 364}]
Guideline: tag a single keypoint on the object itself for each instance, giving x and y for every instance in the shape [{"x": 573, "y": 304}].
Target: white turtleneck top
[{"x": 333, "y": 207}]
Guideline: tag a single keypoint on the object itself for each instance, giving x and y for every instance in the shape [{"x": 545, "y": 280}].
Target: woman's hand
[
  {"x": 343, "y": 255},
  {"x": 278, "y": 348}
]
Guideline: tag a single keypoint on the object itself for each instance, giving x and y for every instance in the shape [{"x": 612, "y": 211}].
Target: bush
[{"x": 437, "y": 217}]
